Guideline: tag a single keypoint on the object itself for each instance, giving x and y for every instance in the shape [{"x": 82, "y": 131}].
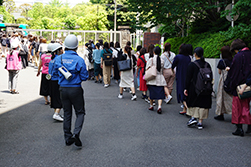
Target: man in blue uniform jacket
[{"x": 71, "y": 92}]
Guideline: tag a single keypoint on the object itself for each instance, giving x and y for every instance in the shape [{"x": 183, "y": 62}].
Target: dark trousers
[
  {"x": 91, "y": 73},
  {"x": 24, "y": 60},
  {"x": 72, "y": 96},
  {"x": 116, "y": 69}
]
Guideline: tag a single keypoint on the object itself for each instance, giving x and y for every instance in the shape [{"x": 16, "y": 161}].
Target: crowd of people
[{"x": 63, "y": 70}]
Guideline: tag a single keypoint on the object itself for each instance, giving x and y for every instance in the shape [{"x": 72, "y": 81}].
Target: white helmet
[
  {"x": 71, "y": 42},
  {"x": 49, "y": 47},
  {"x": 55, "y": 47}
]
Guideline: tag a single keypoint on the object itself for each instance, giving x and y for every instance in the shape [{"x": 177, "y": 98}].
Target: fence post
[{"x": 51, "y": 35}]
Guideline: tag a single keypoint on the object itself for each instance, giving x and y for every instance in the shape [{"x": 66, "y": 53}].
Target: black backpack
[
  {"x": 107, "y": 57},
  {"x": 120, "y": 53},
  {"x": 3, "y": 42},
  {"x": 203, "y": 85},
  {"x": 90, "y": 56}
]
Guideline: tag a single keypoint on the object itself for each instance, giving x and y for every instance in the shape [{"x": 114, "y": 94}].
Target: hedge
[{"x": 210, "y": 42}]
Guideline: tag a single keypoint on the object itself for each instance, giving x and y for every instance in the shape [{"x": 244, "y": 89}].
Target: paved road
[{"x": 117, "y": 132}]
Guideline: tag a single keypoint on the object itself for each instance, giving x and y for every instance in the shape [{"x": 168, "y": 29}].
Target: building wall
[{"x": 151, "y": 38}]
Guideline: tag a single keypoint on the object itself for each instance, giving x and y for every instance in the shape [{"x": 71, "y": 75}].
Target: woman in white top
[
  {"x": 42, "y": 47},
  {"x": 156, "y": 85},
  {"x": 149, "y": 52},
  {"x": 127, "y": 78},
  {"x": 168, "y": 73}
]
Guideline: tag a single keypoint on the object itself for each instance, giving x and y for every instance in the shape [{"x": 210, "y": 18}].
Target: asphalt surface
[{"x": 116, "y": 132}]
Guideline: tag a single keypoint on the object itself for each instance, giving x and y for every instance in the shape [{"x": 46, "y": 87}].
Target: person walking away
[
  {"x": 223, "y": 100},
  {"x": 137, "y": 55},
  {"x": 24, "y": 54},
  {"x": 198, "y": 104},
  {"x": 248, "y": 83},
  {"x": 71, "y": 91},
  {"x": 156, "y": 86},
  {"x": 117, "y": 53},
  {"x": 141, "y": 63},
  {"x": 168, "y": 73},
  {"x": 45, "y": 82},
  {"x": 4, "y": 46},
  {"x": 88, "y": 57},
  {"x": 13, "y": 65},
  {"x": 106, "y": 64},
  {"x": 127, "y": 78},
  {"x": 97, "y": 62},
  {"x": 238, "y": 74},
  {"x": 56, "y": 104},
  {"x": 181, "y": 62}
]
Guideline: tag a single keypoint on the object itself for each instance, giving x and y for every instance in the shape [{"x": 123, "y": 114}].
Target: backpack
[
  {"x": 203, "y": 85},
  {"x": 24, "y": 51},
  {"x": 90, "y": 56},
  {"x": 144, "y": 66},
  {"x": 3, "y": 42},
  {"x": 107, "y": 58},
  {"x": 120, "y": 53}
]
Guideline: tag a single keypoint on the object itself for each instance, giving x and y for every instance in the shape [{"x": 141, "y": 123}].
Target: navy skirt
[
  {"x": 55, "y": 95},
  {"x": 45, "y": 86},
  {"x": 156, "y": 92}
]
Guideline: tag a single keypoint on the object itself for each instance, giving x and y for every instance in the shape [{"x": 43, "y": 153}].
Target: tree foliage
[
  {"x": 10, "y": 5},
  {"x": 125, "y": 17},
  {"x": 56, "y": 15}
]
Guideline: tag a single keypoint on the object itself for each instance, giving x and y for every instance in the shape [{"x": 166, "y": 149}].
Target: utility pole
[
  {"x": 232, "y": 21},
  {"x": 115, "y": 20}
]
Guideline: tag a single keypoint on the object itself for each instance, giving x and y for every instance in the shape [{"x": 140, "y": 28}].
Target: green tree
[
  {"x": 180, "y": 13},
  {"x": 56, "y": 3},
  {"x": 25, "y": 9},
  {"x": 7, "y": 17},
  {"x": 10, "y": 5}
]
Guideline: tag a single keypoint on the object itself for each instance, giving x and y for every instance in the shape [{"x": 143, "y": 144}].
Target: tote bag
[
  {"x": 125, "y": 65},
  {"x": 150, "y": 73}
]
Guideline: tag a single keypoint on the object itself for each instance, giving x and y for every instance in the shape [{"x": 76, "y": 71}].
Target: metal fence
[{"x": 83, "y": 35}]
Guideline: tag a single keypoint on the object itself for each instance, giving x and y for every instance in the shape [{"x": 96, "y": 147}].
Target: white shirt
[
  {"x": 167, "y": 63},
  {"x": 114, "y": 53},
  {"x": 43, "y": 47},
  {"x": 147, "y": 55}
]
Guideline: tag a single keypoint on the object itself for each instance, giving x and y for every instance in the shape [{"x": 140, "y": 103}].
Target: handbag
[
  {"x": 150, "y": 73},
  {"x": 125, "y": 65},
  {"x": 246, "y": 94},
  {"x": 226, "y": 82}
]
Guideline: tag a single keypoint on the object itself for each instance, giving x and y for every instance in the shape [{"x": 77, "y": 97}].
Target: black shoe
[
  {"x": 95, "y": 81},
  {"x": 219, "y": 117},
  {"x": 238, "y": 132},
  {"x": 70, "y": 141},
  {"x": 100, "y": 81},
  {"x": 249, "y": 129},
  {"x": 78, "y": 142},
  {"x": 159, "y": 111}
]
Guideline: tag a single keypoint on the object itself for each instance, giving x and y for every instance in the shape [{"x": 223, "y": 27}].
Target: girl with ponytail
[
  {"x": 156, "y": 86},
  {"x": 169, "y": 75},
  {"x": 127, "y": 78}
]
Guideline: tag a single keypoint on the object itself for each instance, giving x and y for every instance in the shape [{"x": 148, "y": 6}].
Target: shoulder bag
[
  {"x": 246, "y": 94},
  {"x": 150, "y": 73},
  {"x": 125, "y": 65}
]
